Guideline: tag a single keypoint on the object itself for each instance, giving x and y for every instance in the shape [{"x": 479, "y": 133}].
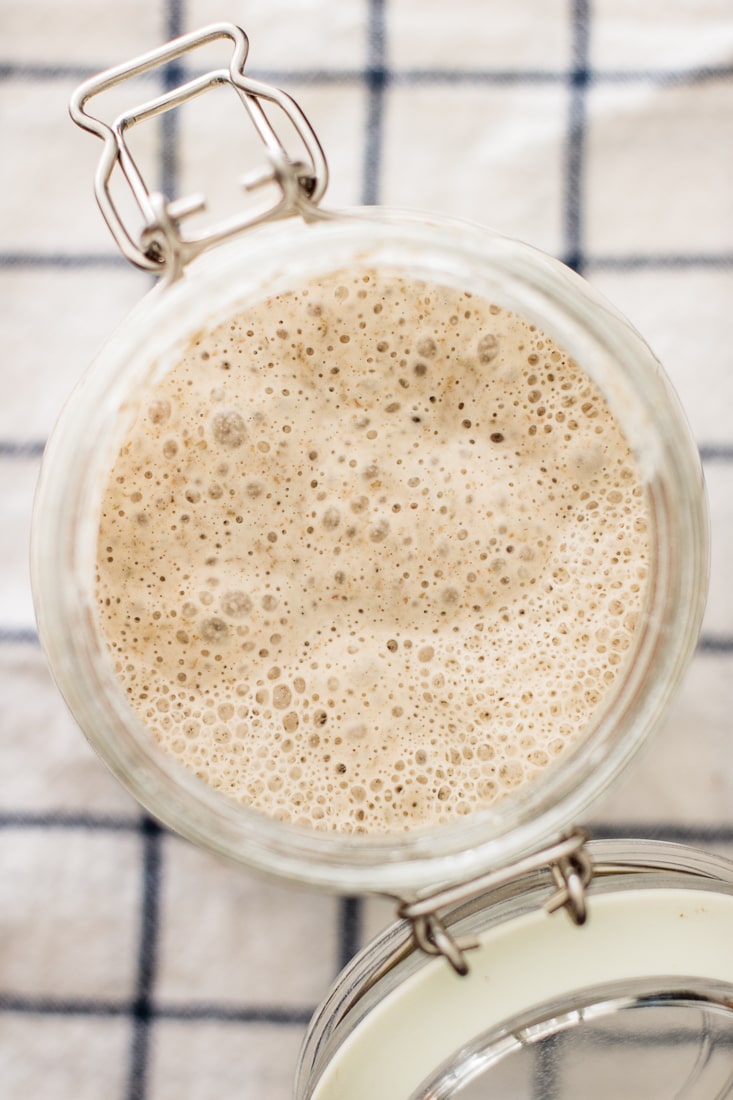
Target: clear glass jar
[
  {"x": 274, "y": 259},
  {"x": 637, "y": 1003}
]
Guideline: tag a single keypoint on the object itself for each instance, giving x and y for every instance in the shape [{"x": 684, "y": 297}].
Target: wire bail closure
[
  {"x": 161, "y": 247},
  {"x": 571, "y": 868}
]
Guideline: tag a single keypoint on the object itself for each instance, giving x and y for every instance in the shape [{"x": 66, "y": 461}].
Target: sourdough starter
[{"x": 372, "y": 555}]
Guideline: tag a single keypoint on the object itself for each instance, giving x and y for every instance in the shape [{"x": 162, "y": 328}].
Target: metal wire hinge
[
  {"x": 569, "y": 864},
  {"x": 161, "y": 246}
]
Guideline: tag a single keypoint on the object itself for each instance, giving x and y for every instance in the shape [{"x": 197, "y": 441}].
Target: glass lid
[
  {"x": 628, "y": 1038},
  {"x": 636, "y": 1002}
]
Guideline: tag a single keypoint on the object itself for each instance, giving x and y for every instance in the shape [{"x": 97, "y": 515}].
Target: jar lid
[{"x": 639, "y": 999}]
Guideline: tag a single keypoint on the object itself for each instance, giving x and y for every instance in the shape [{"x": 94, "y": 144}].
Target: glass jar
[
  {"x": 639, "y": 1002},
  {"x": 274, "y": 258}
]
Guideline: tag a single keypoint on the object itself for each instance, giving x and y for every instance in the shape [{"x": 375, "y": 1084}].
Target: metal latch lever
[
  {"x": 569, "y": 863},
  {"x": 162, "y": 247}
]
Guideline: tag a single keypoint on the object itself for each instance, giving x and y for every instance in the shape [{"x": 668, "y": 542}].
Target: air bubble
[
  {"x": 281, "y": 696},
  {"x": 214, "y": 630},
  {"x": 488, "y": 348},
  {"x": 379, "y": 532},
  {"x": 228, "y": 428},
  {"x": 159, "y": 411},
  {"x": 236, "y": 604}
]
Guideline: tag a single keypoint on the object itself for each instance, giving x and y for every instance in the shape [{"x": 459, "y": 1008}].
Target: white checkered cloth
[{"x": 133, "y": 966}]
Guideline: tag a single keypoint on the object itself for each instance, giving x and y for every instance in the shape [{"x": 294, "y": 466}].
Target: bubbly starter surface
[{"x": 372, "y": 555}]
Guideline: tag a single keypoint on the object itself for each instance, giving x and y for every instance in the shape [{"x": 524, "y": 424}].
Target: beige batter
[{"x": 372, "y": 556}]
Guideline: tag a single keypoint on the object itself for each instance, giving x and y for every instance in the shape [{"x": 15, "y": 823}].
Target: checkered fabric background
[{"x": 132, "y": 965}]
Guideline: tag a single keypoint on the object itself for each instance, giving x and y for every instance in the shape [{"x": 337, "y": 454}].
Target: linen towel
[{"x": 132, "y": 965}]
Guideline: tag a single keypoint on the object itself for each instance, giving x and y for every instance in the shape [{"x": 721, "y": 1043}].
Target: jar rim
[{"x": 280, "y": 255}]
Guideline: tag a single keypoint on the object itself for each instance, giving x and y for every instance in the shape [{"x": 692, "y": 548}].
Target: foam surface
[{"x": 372, "y": 555}]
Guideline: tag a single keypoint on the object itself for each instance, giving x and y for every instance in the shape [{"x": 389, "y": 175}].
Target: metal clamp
[
  {"x": 161, "y": 247},
  {"x": 572, "y": 870}
]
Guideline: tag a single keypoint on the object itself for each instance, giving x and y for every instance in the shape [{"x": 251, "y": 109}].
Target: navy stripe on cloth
[{"x": 144, "y": 1010}]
